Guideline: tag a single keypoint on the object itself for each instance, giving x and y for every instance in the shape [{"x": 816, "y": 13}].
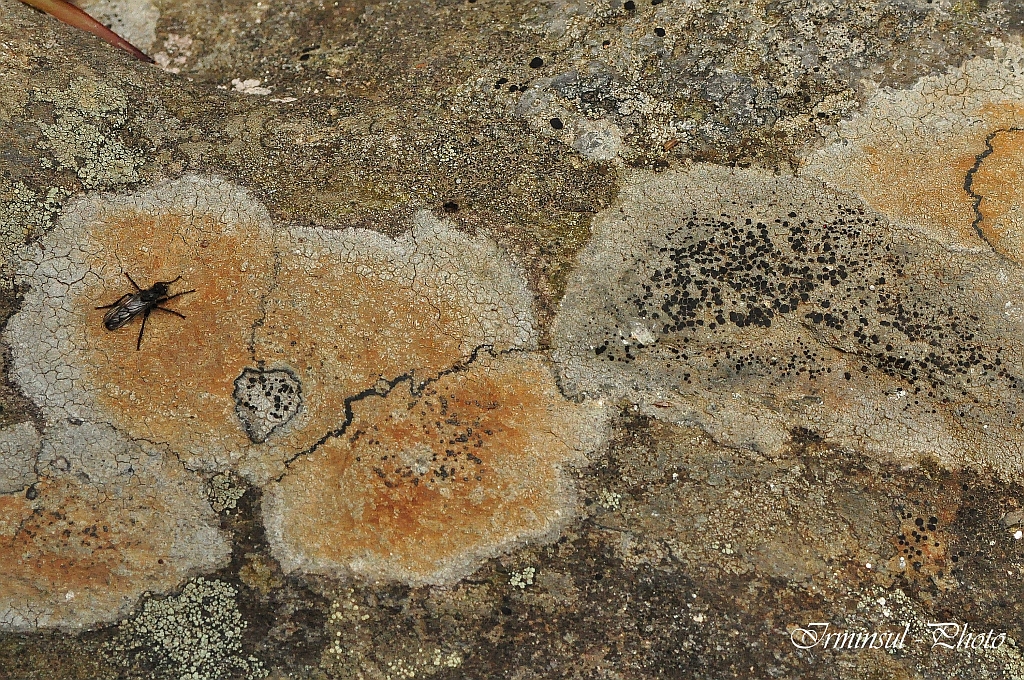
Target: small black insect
[{"x": 130, "y": 305}]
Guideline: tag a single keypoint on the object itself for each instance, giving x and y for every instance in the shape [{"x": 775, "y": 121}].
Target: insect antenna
[
  {"x": 184, "y": 292},
  {"x": 171, "y": 311}
]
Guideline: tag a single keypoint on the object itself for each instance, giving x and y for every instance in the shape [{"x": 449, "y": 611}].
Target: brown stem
[{"x": 73, "y": 16}]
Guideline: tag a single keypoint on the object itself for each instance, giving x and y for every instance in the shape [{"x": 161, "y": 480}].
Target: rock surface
[{"x": 520, "y": 339}]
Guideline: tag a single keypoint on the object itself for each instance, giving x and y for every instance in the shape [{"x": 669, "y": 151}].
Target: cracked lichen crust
[
  {"x": 429, "y": 479},
  {"x": 19, "y": 448},
  {"x": 178, "y": 388},
  {"x": 292, "y": 340},
  {"x": 338, "y": 310},
  {"x": 107, "y": 521},
  {"x": 942, "y": 156},
  {"x": 754, "y": 305},
  {"x": 433, "y": 282},
  {"x": 352, "y": 307},
  {"x": 28, "y": 213}
]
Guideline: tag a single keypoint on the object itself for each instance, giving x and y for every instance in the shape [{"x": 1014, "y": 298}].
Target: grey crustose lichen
[{"x": 266, "y": 400}]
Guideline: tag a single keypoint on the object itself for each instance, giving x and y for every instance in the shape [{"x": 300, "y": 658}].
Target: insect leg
[
  {"x": 138, "y": 343},
  {"x": 171, "y": 297},
  {"x": 137, "y": 287},
  {"x": 170, "y": 311}
]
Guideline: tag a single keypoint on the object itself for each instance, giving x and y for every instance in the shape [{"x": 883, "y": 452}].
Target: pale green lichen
[
  {"x": 610, "y": 500},
  {"x": 351, "y": 654},
  {"x": 25, "y": 213},
  {"x": 521, "y": 579},
  {"x": 196, "y": 635},
  {"x": 83, "y": 137},
  {"x": 225, "y": 492}
]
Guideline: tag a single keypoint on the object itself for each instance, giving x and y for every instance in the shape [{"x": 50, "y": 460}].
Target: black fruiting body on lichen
[
  {"x": 847, "y": 284},
  {"x": 265, "y": 400},
  {"x": 740, "y": 275}
]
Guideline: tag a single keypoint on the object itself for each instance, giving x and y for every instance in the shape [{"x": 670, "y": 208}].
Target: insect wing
[{"x": 124, "y": 310}]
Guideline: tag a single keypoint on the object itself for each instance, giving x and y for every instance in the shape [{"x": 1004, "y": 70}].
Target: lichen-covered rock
[
  {"x": 429, "y": 479},
  {"x": 19, "y": 447},
  {"x": 351, "y": 308},
  {"x": 23, "y": 214},
  {"x": 84, "y": 135},
  {"x": 288, "y": 337},
  {"x": 940, "y": 156},
  {"x": 521, "y": 122},
  {"x": 755, "y": 305},
  {"x": 107, "y": 521},
  {"x": 196, "y": 634},
  {"x": 177, "y": 388},
  {"x": 335, "y": 310}
]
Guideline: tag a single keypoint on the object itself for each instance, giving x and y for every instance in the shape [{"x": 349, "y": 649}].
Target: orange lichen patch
[
  {"x": 177, "y": 389},
  {"x": 78, "y": 553},
  {"x": 323, "y": 315},
  {"x": 382, "y": 328},
  {"x": 66, "y": 538},
  {"x": 185, "y": 370},
  {"x": 924, "y": 184},
  {"x": 909, "y": 154},
  {"x": 998, "y": 185},
  {"x": 284, "y": 331},
  {"x": 340, "y": 347},
  {"x": 421, "y": 485},
  {"x": 352, "y": 308}
]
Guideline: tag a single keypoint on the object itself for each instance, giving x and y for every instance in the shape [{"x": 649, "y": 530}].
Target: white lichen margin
[
  {"x": 77, "y": 447},
  {"x": 44, "y": 336},
  {"x": 19, "y": 447}
]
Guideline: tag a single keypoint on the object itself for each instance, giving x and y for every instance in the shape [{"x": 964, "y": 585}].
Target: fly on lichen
[{"x": 143, "y": 302}]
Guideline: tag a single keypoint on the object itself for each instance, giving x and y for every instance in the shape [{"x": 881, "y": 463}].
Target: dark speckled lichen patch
[
  {"x": 832, "y": 274},
  {"x": 266, "y": 400},
  {"x": 424, "y": 481},
  {"x": 754, "y": 304}
]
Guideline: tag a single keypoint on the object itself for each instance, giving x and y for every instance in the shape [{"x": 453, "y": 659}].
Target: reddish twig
[{"x": 73, "y": 16}]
